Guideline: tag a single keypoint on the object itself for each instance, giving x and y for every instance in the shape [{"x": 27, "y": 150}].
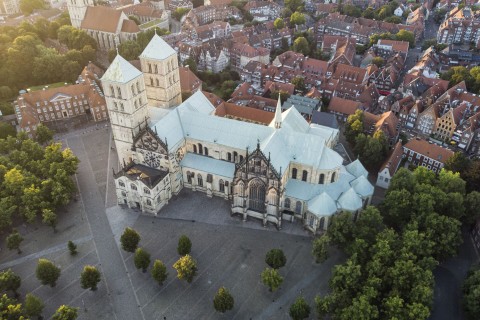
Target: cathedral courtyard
[{"x": 229, "y": 252}]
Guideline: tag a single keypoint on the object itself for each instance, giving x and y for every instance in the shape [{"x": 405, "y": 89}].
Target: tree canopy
[{"x": 393, "y": 251}]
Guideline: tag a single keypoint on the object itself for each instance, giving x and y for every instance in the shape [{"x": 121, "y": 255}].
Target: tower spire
[{"x": 278, "y": 114}]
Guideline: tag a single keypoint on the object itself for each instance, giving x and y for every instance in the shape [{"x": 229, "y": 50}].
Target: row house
[
  {"x": 386, "y": 122},
  {"x": 207, "y": 14},
  {"x": 428, "y": 65},
  {"x": 212, "y": 59},
  {"x": 176, "y": 4},
  {"x": 390, "y": 167},
  {"x": 343, "y": 108},
  {"x": 419, "y": 85},
  {"x": 56, "y": 106},
  {"x": 449, "y": 120},
  {"x": 387, "y": 76},
  {"x": 426, "y": 154},
  {"x": 263, "y": 10},
  {"x": 387, "y": 48},
  {"x": 344, "y": 54},
  {"x": 456, "y": 55},
  {"x": 241, "y": 54},
  {"x": 214, "y": 30},
  {"x": 467, "y": 132},
  {"x": 330, "y": 43},
  {"x": 359, "y": 28},
  {"x": 417, "y": 18},
  {"x": 462, "y": 26}
]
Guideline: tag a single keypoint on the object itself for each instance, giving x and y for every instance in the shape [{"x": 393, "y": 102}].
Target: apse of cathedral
[{"x": 285, "y": 171}]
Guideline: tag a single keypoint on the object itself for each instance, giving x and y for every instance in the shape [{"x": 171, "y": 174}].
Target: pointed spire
[{"x": 278, "y": 114}]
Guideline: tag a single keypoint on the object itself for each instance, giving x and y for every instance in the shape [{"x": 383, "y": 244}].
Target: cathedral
[{"x": 284, "y": 171}]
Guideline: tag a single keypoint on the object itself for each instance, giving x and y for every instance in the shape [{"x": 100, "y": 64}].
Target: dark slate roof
[
  {"x": 149, "y": 176},
  {"x": 325, "y": 119},
  {"x": 304, "y": 105}
]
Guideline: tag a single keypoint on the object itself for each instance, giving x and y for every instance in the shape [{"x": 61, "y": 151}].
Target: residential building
[
  {"x": 462, "y": 26},
  {"x": 390, "y": 167},
  {"x": 189, "y": 82},
  {"x": 426, "y": 154},
  {"x": 11, "y": 6},
  {"x": 386, "y": 122}
]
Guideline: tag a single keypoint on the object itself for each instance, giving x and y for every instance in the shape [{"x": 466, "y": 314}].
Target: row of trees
[
  {"x": 402, "y": 35},
  {"x": 26, "y": 59},
  {"x": 385, "y": 12},
  {"x": 393, "y": 250},
  {"x": 34, "y": 180}
]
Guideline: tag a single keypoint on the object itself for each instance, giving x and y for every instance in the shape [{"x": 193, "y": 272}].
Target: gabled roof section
[
  {"x": 362, "y": 186},
  {"x": 121, "y": 71},
  {"x": 322, "y": 205},
  {"x": 357, "y": 169},
  {"x": 350, "y": 201},
  {"x": 157, "y": 49}
]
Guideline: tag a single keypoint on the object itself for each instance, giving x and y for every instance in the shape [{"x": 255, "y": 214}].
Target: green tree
[
  {"x": 90, "y": 278},
  {"x": 159, "y": 272},
  {"x": 33, "y": 306},
  {"x": 369, "y": 224},
  {"x": 299, "y": 83},
  {"x": 272, "y": 279},
  {"x": 129, "y": 240},
  {"x": 351, "y": 10},
  {"x": 301, "y": 45},
  {"x": 9, "y": 281},
  {"x": 65, "y": 313},
  {"x": 393, "y": 19},
  {"x": 297, "y": 18},
  {"x": 72, "y": 247},
  {"x": 50, "y": 218},
  {"x": 141, "y": 259},
  {"x": 341, "y": 229},
  {"x": 472, "y": 207},
  {"x": 10, "y": 309},
  {"x": 135, "y": 19},
  {"x": 404, "y": 35},
  {"x": 445, "y": 232},
  {"x": 294, "y": 5},
  {"x": 186, "y": 268},
  {"x": 7, "y": 130},
  {"x": 368, "y": 13},
  {"x": 403, "y": 179},
  {"x": 223, "y": 300},
  {"x": 275, "y": 258},
  {"x": 47, "y": 272},
  {"x": 28, "y": 6},
  {"x": 184, "y": 245},
  {"x": 471, "y": 293},
  {"x": 179, "y": 13},
  {"x": 279, "y": 23},
  {"x": 300, "y": 309},
  {"x": 378, "y": 61},
  {"x": 354, "y": 126},
  {"x": 14, "y": 240},
  {"x": 458, "y": 163},
  {"x": 191, "y": 64},
  {"x": 320, "y": 248}
]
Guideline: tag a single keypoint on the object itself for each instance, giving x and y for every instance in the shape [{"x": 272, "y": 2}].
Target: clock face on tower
[{"x": 152, "y": 159}]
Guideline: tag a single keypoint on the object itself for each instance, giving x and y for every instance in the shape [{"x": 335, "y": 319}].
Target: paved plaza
[{"x": 229, "y": 252}]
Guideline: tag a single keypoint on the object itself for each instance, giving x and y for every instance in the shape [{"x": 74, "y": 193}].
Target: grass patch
[{"x": 50, "y": 86}]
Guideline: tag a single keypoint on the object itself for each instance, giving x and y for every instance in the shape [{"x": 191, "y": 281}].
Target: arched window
[
  {"x": 121, "y": 184},
  {"x": 135, "y": 104},
  {"x": 149, "y": 203},
  {"x": 195, "y": 148},
  {"x": 151, "y": 82},
  {"x": 333, "y": 178},
  {"x": 321, "y": 180},
  {"x": 298, "y": 207},
  {"x": 133, "y": 187},
  {"x": 199, "y": 180},
  {"x": 205, "y": 150},
  {"x": 124, "y": 193},
  {"x": 149, "y": 68},
  {"x": 241, "y": 158},
  {"x": 156, "y": 69},
  {"x": 115, "y": 106},
  {"x": 189, "y": 177},
  {"x": 200, "y": 148},
  {"x": 294, "y": 173},
  {"x": 256, "y": 199},
  {"x": 157, "y": 82},
  {"x": 286, "y": 203},
  {"x": 321, "y": 225},
  {"x": 133, "y": 89},
  {"x": 119, "y": 93},
  {"x": 112, "y": 91},
  {"x": 304, "y": 175},
  {"x": 221, "y": 186},
  {"x": 229, "y": 156},
  {"x": 138, "y": 87},
  {"x": 145, "y": 190},
  {"x": 235, "y": 156},
  {"x": 121, "y": 107}
]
